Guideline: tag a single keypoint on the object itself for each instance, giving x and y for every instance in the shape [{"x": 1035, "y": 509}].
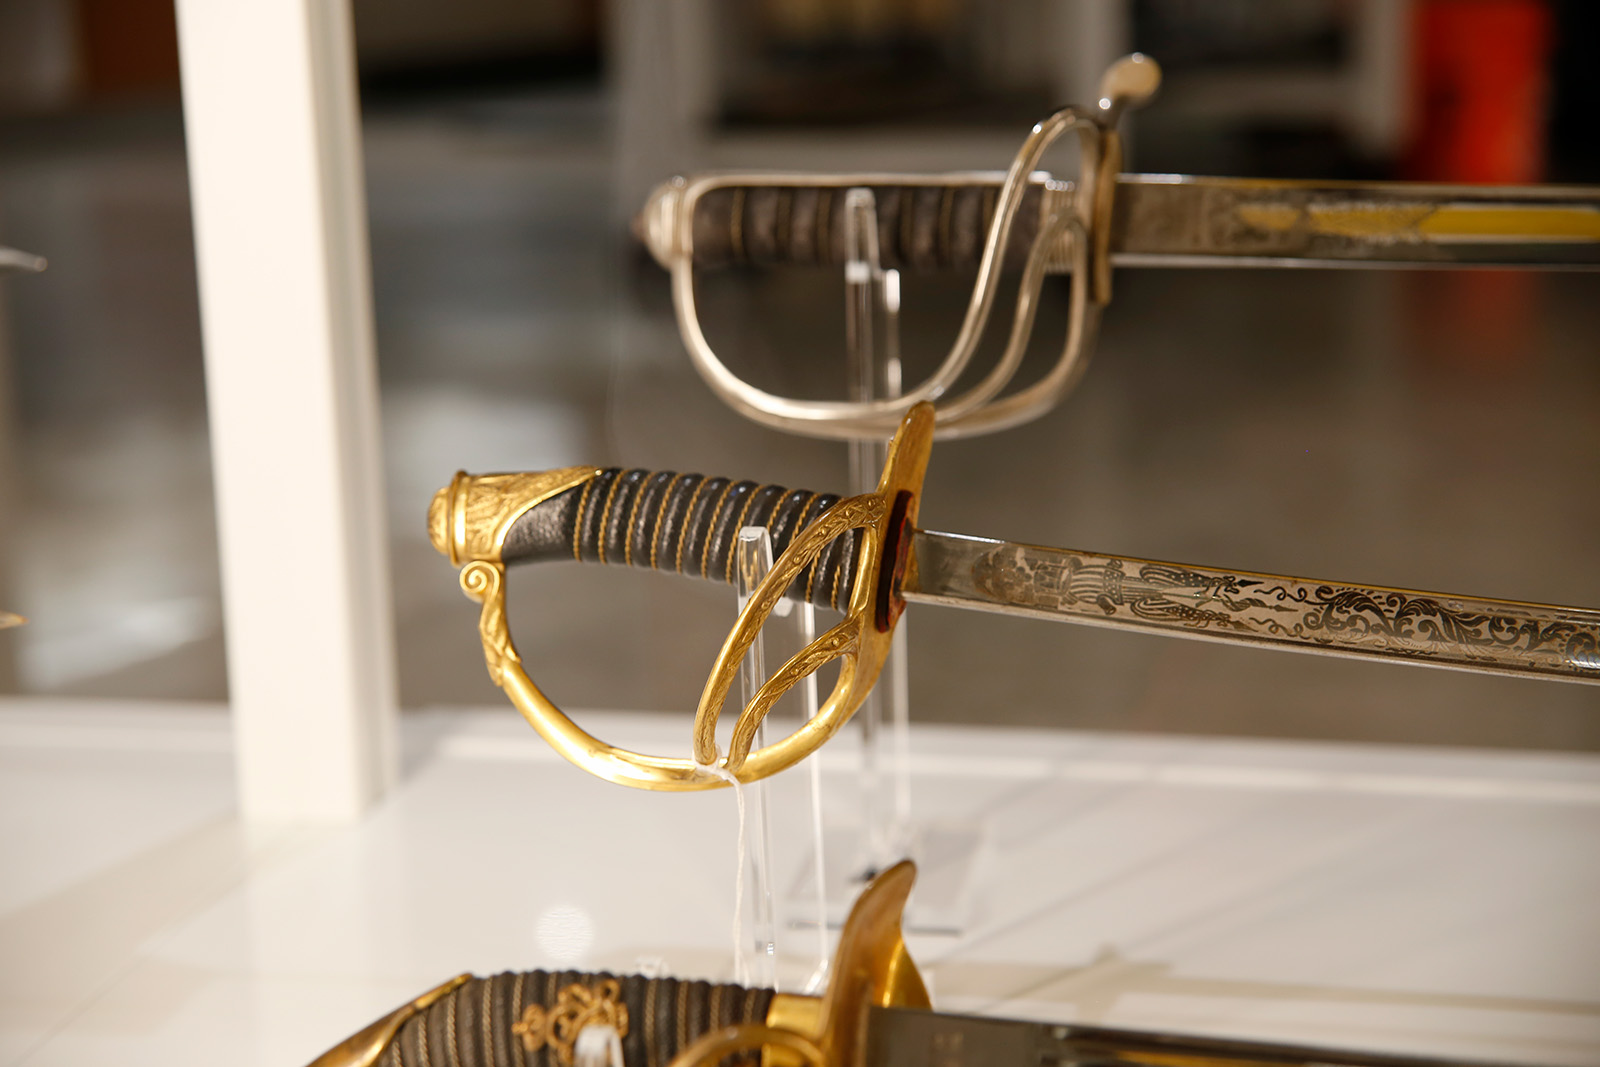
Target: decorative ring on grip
[
  {"x": 1074, "y": 233},
  {"x": 472, "y": 529}
]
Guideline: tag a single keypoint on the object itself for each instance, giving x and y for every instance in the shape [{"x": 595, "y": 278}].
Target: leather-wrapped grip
[
  {"x": 686, "y": 523},
  {"x": 532, "y": 1019},
  {"x": 920, "y": 227}
]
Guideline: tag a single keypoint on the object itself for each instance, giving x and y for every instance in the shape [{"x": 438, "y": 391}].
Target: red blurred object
[{"x": 1480, "y": 79}]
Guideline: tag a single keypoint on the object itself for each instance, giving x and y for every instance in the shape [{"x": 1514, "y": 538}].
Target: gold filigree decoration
[
  {"x": 485, "y": 583},
  {"x": 577, "y": 1007},
  {"x": 857, "y": 643}
]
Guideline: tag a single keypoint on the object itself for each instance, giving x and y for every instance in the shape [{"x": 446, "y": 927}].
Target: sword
[
  {"x": 865, "y": 557},
  {"x": 1030, "y": 221},
  {"x": 876, "y": 1013}
]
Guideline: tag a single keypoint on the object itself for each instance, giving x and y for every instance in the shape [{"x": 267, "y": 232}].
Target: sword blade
[
  {"x": 1177, "y": 220},
  {"x": 1268, "y": 610},
  {"x": 901, "y": 1037}
]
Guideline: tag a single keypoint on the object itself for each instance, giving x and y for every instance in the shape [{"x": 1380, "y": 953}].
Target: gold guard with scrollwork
[{"x": 473, "y": 529}]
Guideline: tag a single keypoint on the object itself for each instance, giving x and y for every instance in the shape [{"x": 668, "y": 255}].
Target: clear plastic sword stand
[
  {"x": 872, "y": 345},
  {"x": 805, "y": 961}
]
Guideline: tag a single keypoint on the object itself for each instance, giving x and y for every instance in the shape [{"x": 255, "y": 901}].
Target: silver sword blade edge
[
  {"x": 1177, "y": 220},
  {"x": 1267, "y": 610},
  {"x": 902, "y": 1037}
]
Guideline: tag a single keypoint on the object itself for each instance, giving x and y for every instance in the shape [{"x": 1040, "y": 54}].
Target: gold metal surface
[
  {"x": 871, "y": 968},
  {"x": 468, "y": 519},
  {"x": 713, "y": 1047},
  {"x": 577, "y": 1006},
  {"x": 363, "y": 1048},
  {"x": 473, "y": 530}
]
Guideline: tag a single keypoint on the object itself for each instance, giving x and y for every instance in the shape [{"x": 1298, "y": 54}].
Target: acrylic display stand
[
  {"x": 838, "y": 862},
  {"x": 946, "y": 855},
  {"x": 806, "y": 909}
]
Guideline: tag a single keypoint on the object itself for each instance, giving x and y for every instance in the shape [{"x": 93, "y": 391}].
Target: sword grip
[
  {"x": 921, "y": 227},
  {"x": 533, "y": 1018},
  {"x": 686, "y": 523}
]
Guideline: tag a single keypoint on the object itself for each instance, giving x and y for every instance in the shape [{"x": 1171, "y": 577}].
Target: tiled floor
[
  {"x": 1360, "y": 896},
  {"x": 1428, "y": 430}
]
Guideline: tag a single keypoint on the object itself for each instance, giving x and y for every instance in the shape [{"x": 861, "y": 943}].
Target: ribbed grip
[
  {"x": 920, "y": 227},
  {"x": 681, "y": 522},
  {"x": 530, "y": 1019}
]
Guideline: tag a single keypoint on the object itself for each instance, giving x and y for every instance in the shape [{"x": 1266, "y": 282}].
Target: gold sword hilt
[
  {"x": 851, "y": 556},
  {"x": 487, "y": 1019}
]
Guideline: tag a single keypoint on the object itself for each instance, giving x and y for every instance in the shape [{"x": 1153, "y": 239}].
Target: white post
[
  {"x": 275, "y": 178},
  {"x": 1377, "y": 98}
]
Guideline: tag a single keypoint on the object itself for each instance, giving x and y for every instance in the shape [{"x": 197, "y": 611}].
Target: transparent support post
[
  {"x": 808, "y": 904},
  {"x": 760, "y": 946},
  {"x": 872, "y": 345}
]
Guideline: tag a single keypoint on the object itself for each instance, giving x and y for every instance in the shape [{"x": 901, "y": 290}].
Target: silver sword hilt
[{"x": 1065, "y": 228}]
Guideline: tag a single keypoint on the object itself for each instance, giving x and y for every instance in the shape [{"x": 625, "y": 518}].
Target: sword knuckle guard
[{"x": 685, "y": 523}]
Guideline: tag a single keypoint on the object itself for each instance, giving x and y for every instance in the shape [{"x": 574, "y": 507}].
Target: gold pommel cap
[
  {"x": 469, "y": 518},
  {"x": 439, "y": 520}
]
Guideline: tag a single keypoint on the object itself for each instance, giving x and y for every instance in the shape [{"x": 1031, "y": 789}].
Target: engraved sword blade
[
  {"x": 1267, "y": 610},
  {"x": 1177, "y": 220}
]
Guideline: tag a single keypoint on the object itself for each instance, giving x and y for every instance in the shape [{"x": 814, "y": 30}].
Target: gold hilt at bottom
[
  {"x": 479, "y": 1024},
  {"x": 871, "y": 968}
]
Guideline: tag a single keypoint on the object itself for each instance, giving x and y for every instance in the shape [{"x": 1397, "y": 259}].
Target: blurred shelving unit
[{"x": 706, "y": 84}]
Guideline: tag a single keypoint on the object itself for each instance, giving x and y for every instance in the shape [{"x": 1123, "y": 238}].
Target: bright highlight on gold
[{"x": 469, "y": 520}]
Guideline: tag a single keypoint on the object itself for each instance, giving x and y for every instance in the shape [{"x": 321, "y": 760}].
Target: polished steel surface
[
  {"x": 1106, "y": 218},
  {"x": 1267, "y": 610},
  {"x": 1081, "y": 224},
  {"x": 901, "y": 1038},
  {"x": 1170, "y": 220}
]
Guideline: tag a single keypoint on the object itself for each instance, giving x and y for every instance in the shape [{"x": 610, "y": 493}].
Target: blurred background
[{"x": 1433, "y": 430}]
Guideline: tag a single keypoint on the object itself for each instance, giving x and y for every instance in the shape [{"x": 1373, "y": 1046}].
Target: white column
[
  {"x": 286, "y": 313},
  {"x": 1092, "y": 34},
  {"x": 1378, "y": 95},
  {"x": 662, "y": 62}
]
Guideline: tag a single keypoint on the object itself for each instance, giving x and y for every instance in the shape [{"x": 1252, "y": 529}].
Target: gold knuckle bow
[{"x": 471, "y": 518}]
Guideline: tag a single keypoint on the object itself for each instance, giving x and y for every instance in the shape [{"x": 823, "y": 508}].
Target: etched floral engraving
[{"x": 1284, "y": 611}]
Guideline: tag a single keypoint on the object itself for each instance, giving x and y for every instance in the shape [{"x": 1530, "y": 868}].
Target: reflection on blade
[
  {"x": 1294, "y": 614},
  {"x": 1174, "y": 220}
]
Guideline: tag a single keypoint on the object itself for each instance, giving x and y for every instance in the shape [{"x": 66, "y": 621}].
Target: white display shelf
[{"x": 1407, "y": 899}]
